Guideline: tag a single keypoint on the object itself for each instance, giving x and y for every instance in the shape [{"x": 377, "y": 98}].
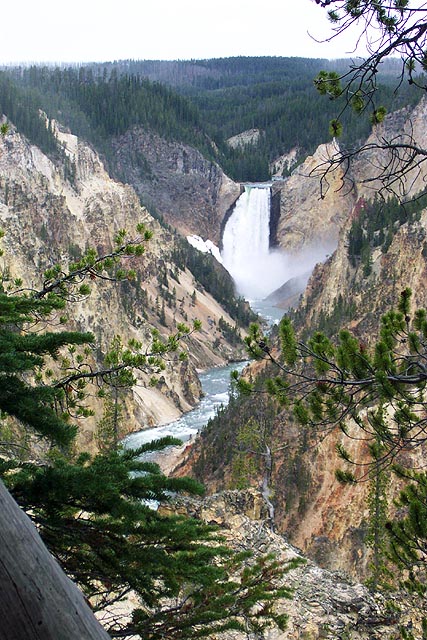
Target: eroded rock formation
[
  {"x": 189, "y": 192},
  {"x": 49, "y": 219},
  {"x": 325, "y": 604},
  {"x": 307, "y": 220}
]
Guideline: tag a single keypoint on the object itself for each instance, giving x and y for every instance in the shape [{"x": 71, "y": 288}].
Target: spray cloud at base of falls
[{"x": 256, "y": 269}]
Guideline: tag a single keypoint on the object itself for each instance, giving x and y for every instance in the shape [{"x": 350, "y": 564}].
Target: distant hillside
[
  {"x": 273, "y": 94},
  {"x": 99, "y": 108},
  {"x": 218, "y": 73},
  {"x": 203, "y": 103}
]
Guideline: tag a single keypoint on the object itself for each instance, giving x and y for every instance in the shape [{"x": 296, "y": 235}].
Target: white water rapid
[{"x": 246, "y": 254}]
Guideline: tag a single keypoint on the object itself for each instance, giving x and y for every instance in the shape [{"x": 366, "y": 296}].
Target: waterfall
[{"x": 246, "y": 254}]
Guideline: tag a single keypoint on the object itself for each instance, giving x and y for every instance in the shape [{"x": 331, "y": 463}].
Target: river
[{"x": 215, "y": 384}]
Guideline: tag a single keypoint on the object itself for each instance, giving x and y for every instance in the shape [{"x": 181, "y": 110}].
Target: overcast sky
[{"x": 105, "y": 30}]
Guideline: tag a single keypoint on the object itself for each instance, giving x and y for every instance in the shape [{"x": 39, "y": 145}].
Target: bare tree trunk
[
  {"x": 266, "y": 483},
  {"x": 37, "y": 600}
]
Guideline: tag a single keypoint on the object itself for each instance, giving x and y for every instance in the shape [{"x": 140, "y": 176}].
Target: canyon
[
  {"x": 325, "y": 519},
  {"x": 48, "y": 219}
]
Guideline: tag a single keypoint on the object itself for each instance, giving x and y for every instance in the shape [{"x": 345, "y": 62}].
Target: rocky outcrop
[
  {"x": 283, "y": 164},
  {"x": 309, "y": 222},
  {"x": 245, "y": 138},
  {"x": 320, "y": 198},
  {"x": 306, "y": 217},
  {"x": 404, "y": 127},
  {"x": 191, "y": 193},
  {"x": 325, "y": 604},
  {"x": 403, "y": 263}
]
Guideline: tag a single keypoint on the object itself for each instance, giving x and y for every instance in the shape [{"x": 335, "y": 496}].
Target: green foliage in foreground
[
  {"x": 326, "y": 382},
  {"x": 95, "y": 514},
  {"x": 96, "y": 518},
  {"x": 408, "y": 534}
]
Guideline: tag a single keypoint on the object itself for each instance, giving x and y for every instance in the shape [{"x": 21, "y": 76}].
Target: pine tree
[
  {"x": 95, "y": 514},
  {"x": 376, "y": 535}
]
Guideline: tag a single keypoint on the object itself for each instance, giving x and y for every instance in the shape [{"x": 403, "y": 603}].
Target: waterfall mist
[{"x": 256, "y": 269}]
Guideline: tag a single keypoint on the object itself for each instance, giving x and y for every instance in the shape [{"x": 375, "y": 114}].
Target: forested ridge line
[{"x": 202, "y": 103}]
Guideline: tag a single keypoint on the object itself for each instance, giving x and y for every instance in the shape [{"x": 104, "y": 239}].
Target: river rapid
[{"x": 216, "y": 386}]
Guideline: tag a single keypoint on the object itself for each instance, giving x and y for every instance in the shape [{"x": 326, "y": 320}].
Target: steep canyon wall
[
  {"x": 49, "y": 219},
  {"x": 190, "y": 192}
]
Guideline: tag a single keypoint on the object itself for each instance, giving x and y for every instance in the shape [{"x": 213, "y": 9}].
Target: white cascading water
[{"x": 246, "y": 254}]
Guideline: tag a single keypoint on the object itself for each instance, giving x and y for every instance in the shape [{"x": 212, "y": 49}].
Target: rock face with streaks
[
  {"x": 49, "y": 219},
  {"x": 401, "y": 263},
  {"x": 191, "y": 193},
  {"x": 306, "y": 219},
  {"x": 326, "y": 519},
  {"x": 320, "y": 200}
]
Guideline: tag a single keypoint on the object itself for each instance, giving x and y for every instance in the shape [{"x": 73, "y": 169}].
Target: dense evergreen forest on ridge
[{"x": 201, "y": 103}]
